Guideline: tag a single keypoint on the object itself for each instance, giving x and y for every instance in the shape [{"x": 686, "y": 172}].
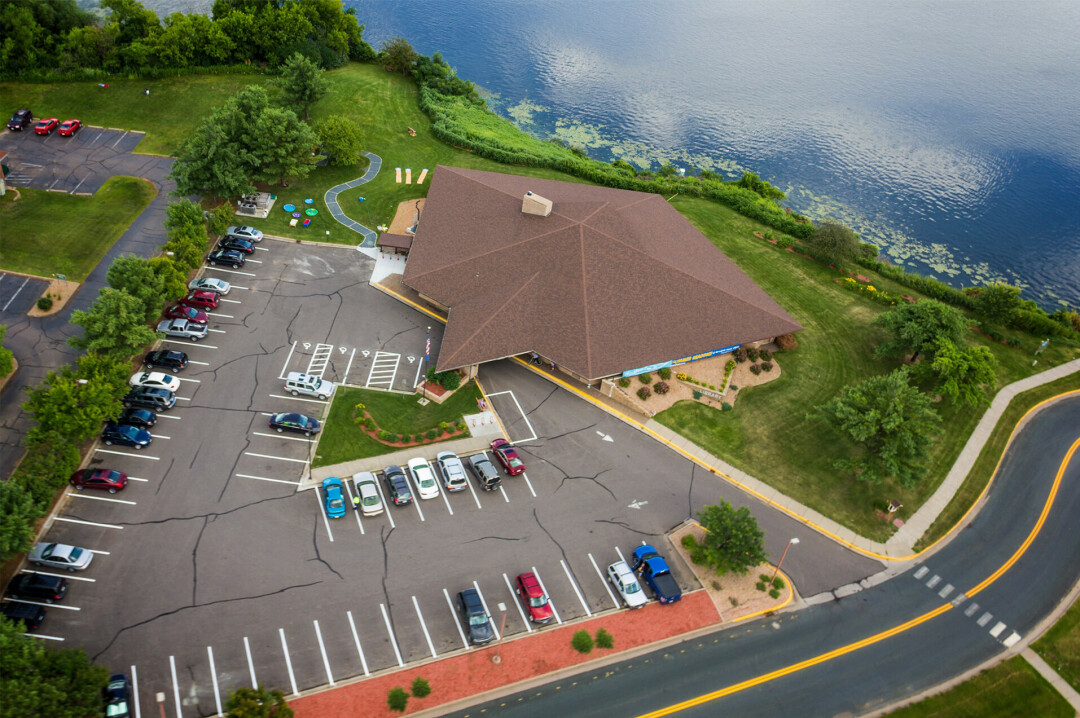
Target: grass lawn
[
  {"x": 342, "y": 440},
  {"x": 1012, "y": 689},
  {"x": 47, "y": 233},
  {"x": 1060, "y": 647}
]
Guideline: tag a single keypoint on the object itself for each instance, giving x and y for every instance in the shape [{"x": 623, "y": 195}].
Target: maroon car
[
  {"x": 182, "y": 311},
  {"x": 508, "y": 456},
  {"x": 106, "y": 479},
  {"x": 201, "y": 299},
  {"x": 533, "y": 598}
]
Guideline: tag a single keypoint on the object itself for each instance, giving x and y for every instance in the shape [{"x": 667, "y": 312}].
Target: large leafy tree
[
  {"x": 135, "y": 276},
  {"x": 835, "y": 241},
  {"x": 399, "y": 54},
  {"x": 302, "y": 82},
  {"x": 891, "y": 420},
  {"x": 19, "y": 513},
  {"x": 917, "y": 327},
  {"x": 114, "y": 326},
  {"x": 998, "y": 301},
  {"x": 290, "y": 151},
  {"x": 184, "y": 214},
  {"x": 40, "y": 681},
  {"x": 170, "y": 276},
  {"x": 257, "y": 703},
  {"x": 340, "y": 138},
  {"x": 207, "y": 162},
  {"x": 733, "y": 542},
  {"x": 965, "y": 376},
  {"x": 73, "y": 402}
]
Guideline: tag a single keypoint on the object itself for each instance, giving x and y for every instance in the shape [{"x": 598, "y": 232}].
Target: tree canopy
[
  {"x": 302, "y": 82},
  {"x": 835, "y": 241},
  {"x": 340, "y": 138},
  {"x": 114, "y": 325},
  {"x": 965, "y": 376},
  {"x": 733, "y": 542},
  {"x": 135, "y": 276},
  {"x": 998, "y": 301},
  {"x": 917, "y": 327},
  {"x": 74, "y": 402},
  {"x": 399, "y": 54}
]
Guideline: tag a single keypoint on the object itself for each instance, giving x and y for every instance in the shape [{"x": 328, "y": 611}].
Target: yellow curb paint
[{"x": 878, "y": 637}]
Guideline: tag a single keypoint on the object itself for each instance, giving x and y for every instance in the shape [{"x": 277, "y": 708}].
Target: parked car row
[{"x": 24, "y": 118}]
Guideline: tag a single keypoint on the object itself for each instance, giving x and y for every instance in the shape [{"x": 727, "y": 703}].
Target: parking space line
[
  {"x": 263, "y": 478},
  {"x": 166, "y": 416},
  {"x": 483, "y": 602},
  {"x": 88, "y": 523},
  {"x": 621, "y": 557},
  {"x": 100, "y": 498},
  {"x": 287, "y": 359},
  {"x": 288, "y": 661},
  {"x": 161, "y": 436},
  {"x": 320, "y": 358},
  {"x": 253, "y": 261},
  {"x": 322, "y": 510},
  {"x": 102, "y": 553},
  {"x": 473, "y": 492},
  {"x": 604, "y": 581},
  {"x": 296, "y": 398},
  {"x": 514, "y": 600},
  {"x": 217, "y": 331},
  {"x": 262, "y": 249},
  {"x": 215, "y": 315},
  {"x": 232, "y": 301},
  {"x": 124, "y": 453},
  {"x": 213, "y": 677},
  {"x": 135, "y": 690},
  {"x": 423, "y": 625},
  {"x": 41, "y": 635},
  {"x": 114, "y": 144},
  {"x": 48, "y": 605},
  {"x": 15, "y": 295},
  {"x": 345, "y": 378},
  {"x": 457, "y": 622},
  {"x": 251, "y": 663},
  {"x": 78, "y": 185},
  {"x": 183, "y": 398},
  {"x": 322, "y": 649},
  {"x": 378, "y": 367},
  {"x": 544, "y": 589},
  {"x": 386, "y": 506},
  {"x": 175, "y": 685},
  {"x": 528, "y": 483},
  {"x": 60, "y": 575},
  {"x": 197, "y": 381},
  {"x": 356, "y": 638},
  {"x": 446, "y": 500},
  {"x": 231, "y": 271},
  {"x": 393, "y": 640},
  {"x": 415, "y": 494},
  {"x": 573, "y": 584},
  {"x": 416, "y": 381},
  {"x": 279, "y": 458},
  {"x": 279, "y": 436},
  {"x": 188, "y": 342},
  {"x": 200, "y": 363},
  {"x": 354, "y": 504},
  {"x": 521, "y": 411}
]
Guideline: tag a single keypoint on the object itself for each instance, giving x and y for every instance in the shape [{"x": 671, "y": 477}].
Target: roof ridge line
[{"x": 466, "y": 260}]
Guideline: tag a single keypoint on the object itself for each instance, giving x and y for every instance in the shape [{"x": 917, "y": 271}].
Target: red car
[
  {"x": 46, "y": 126},
  {"x": 69, "y": 127},
  {"x": 533, "y": 598},
  {"x": 181, "y": 311},
  {"x": 508, "y": 456},
  {"x": 107, "y": 479},
  {"x": 201, "y": 299}
]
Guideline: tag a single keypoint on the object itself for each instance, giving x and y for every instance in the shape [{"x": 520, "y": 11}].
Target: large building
[{"x": 601, "y": 281}]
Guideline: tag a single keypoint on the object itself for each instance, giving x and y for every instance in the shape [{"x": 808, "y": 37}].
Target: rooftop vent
[{"x": 535, "y": 204}]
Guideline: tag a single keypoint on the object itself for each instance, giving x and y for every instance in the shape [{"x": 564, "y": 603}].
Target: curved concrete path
[{"x": 335, "y": 209}]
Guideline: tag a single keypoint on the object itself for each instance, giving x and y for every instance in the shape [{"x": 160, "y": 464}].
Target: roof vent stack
[{"x": 535, "y": 204}]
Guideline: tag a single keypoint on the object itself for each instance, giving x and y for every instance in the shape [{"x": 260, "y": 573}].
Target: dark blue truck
[{"x": 654, "y": 571}]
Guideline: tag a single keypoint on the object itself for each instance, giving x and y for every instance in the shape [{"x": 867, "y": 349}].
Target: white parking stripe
[
  {"x": 217, "y": 331},
  {"x": 345, "y": 377},
  {"x": 279, "y": 458},
  {"x": 263, "y": 478},
  {"x": 216, "y": 315},
  {"x": 1011, "y": 640},
  {"x": 124, "y": 453},
  {"x": 49, "y": 605},
  {"x": 296, "y": 398},
  {"x": 997, "y": 629},
  {"x": 423, "y": 625},
  {"x": 166, "y": 416},
  {"x": 102, "y": 553},
  {"x": 279, "y": 436},
  {"x": 187, "y": 343},
  {"x": 502, "y": 491},
  {"x": 390, "y": 630},
  {"x": 88, "y": 523},
  {"x": 175, "y": 685},
  {"x": 262, "y": 249},
  {"x": 573, "y": 584},
  {"x": 286, "y": 366},
  {"x": 200, "y": 363},
  {"x": 528, "y": 483},
  {"x": 41, "y": 635},
  {"x": 100, "y": 498},
  {"x": 322, "y": 649},
  {"x": 386, "y": 506},
  {"x": 483, "y": 603},
  {"x": 288, "y": 661},
  {"x": 604, "y": 581},
  {"x": 514, "y": 600},
  {"x": 197, "y": 381},
  {"x": 213, "y": 676},
  {"x": 60, "y": 575},
  {"x": 232, "y": 301},
  {"x": 356, "y": 638},
  {"x": 161, "y": 436},
  {"x": 621, "y": 557},
  {"x": 356, "y": 512},
  {"x": 457, "y": 621},
  {"x": 251, "y": 663},
  {"x": 442, "y": 491},
  {"x": 183, "y": 398},
  {"x": 415, "y": 495},
  {"x": 254, "y": 261},
  {"x": 322, "y": 510},
  {"x": 135, "y": 691},
  {"x": 231, "y": 271},
  {"x": 544, "y": 589},
  {"x": 472, "y": 491}
]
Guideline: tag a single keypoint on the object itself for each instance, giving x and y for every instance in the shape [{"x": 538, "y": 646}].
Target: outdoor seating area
[
  {"x": 298, "y": 216},
  {"x": 257, "y": 205}
]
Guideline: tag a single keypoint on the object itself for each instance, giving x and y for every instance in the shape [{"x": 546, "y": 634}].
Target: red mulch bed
[{"x": 470, "y": 673}]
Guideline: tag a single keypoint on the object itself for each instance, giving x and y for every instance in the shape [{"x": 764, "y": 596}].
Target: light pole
[
  {"x": 777, "y": 569},
  {"x": 427, "y": 351},
  {"x": 497, "y": 658}
]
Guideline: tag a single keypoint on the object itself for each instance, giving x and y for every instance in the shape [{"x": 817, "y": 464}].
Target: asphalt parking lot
[
  {"x": 215, "y": 572},
  {"x": 18, "y": 294}
]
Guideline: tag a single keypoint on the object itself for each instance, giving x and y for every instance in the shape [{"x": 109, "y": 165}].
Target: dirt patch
[
  {"x": 60, "y": 290},
  {"x": 405, "y": 216}
]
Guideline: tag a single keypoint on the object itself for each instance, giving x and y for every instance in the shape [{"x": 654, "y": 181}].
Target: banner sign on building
[{"x": 684, "y": 360}]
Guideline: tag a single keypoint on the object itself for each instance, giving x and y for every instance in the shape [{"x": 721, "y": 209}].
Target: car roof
[
  {"x": 364, "y": 476},
  {"x": 472, "y": 599},
  {"x": 622, "y": 569}
]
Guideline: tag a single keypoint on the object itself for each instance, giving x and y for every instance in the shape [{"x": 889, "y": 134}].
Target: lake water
[{"x": 948, "y": 133}]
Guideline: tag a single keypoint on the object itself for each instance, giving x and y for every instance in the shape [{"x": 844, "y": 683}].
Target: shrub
[
  {"x": 661, "y": 387},
  {"x": 712, "y": 387},
  {"x": 360, "y": 406},
  {"x": 778, "y": 582},
  {"x": 733, "y": 387},
  {"x": 624, "y": 382},
  {"x": 760, "y": 585},
  {"x": 386, "y": 435},
  {"x": 403, "y": 438},
  {"x": 44, "y": 303},
  {"x": 604, "y": 639},
  {"x": 688, "y": 542},
  {"x": 766, "y": 366},
  {"x": 786, "y": 342},
  {"x": 418, "y": 437},
  {"x": 431, "y": 433},
  {"x": 740, "y": 355},
  {"x": 730, "y": 366},
  {"x": 421, "y": 688},
  {"x": 664, "y": 373},
  {"x": 582, "y": 642},
  {"x": 645, "y": 378},
  {"x": 774, "y": 593},
  {"x": 752, "y": 353},
  {"x": 397, "y": 699},
  {"x": 444, "y": 425},
  {"x": 765, "y": 355},
  {"x": 725, "y": 407},
  {"x": 755, "y": 369},
  {"x": 697, "y": 394},
  {"x": 462, "y": 426},
  {"x": 644, "y": 393}
]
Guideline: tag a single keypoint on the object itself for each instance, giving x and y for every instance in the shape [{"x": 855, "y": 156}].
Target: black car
[
  {"x": 28, "y": 613},
  {"x": 20, "y": 120},
  {"x": 475, "y": 617},
  {"x": 118, "y": 697},
  {"x": 150, "y": 397},
  {"x": 226, "y": 256},
  {"x": 126, "y": 435},
  {"x": 397, "y": 486},
  {"x": 38, "y": 587},
  {"x": 142, "y": 418},
  {"x": 171, "y": 360},
  {"x": 294, "y": 422},
  {"x": 237, "y": 244}
]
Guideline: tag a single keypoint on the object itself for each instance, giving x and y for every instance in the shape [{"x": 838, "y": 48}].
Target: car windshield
[
  {"x": 76, "y": 553},
  {"x": 631, "y": 587},
  {"x": 114, "y": 475},
  {"x": 371, "y": 501},
  {"x": 119, "y": 708},
  {"x": 538, "y": 601},
  {"x": 478, "y": 619},
  {"x": 336, "y": 503},
  {"x": 427, "y": 483},
  {"x": 515, "y": 461}
]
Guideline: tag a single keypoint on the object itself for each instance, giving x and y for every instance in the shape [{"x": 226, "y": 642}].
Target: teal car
[{"x": 334, "y": 497}]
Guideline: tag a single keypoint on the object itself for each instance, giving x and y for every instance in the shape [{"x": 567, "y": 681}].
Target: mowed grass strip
[
  {"x": 1060, "y": 646},
  {"x": 342, "y": 440},
  {"x": 1012, "y": 689},
  {"x": 46, "y": 233}
]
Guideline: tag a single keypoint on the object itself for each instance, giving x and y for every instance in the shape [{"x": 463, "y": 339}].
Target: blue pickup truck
[{"x": 654, "y": 571}]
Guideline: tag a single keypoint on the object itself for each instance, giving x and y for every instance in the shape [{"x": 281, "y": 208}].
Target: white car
[
  {"x": 626, "y": 583},
  {"x": 453, "y": 472},
  {"x": 209, "y": 284},
  {"x": 368, "y": 491},
  {"x": 156, "y": 379},
  {"x": 424, "y": 478},
  {"x": 59, "y": 555},
  {"x": 245, "y": 232}
]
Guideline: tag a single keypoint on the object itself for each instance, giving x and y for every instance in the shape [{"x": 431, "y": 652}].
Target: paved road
[{"x": 977, "y": 617}]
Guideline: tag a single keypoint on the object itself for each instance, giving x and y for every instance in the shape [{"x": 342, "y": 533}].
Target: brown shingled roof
[{"x": 612, "y": 280}]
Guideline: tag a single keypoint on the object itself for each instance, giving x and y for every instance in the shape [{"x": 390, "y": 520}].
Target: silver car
[
  {"x": 244, "y": 232},
  {"x": 453, "y": 473},
  {"x": 210, "y": 284},
  {"x": 59, "y": 555},
  {"x": 365, "y": 487},
  {"x": 626, "y": 583}
]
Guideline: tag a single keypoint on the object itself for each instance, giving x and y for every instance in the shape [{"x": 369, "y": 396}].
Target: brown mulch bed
[
  {"x": 471, "y": 673},
  {"x": 451, "y": 433}
]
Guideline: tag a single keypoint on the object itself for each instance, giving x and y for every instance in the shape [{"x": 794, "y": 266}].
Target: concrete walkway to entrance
[{"x": 331, "y": 199}]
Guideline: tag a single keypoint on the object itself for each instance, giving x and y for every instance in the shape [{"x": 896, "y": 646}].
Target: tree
[
  {"x": 134, "y": 275},
  {"x": 114, "y": 326},
  {"x": 835, "y": 241},
  {"x": 340, "y": 138},
  {"x": 184, "y": 214},
  {"x": 221, "y": 218},
  {"x": 892, "y": 420},
  {"x": 73, "y": 402},
  {"x": 733, "y": 542},
  {"x": 302, "y": 82},
  {"x": 916, "y": 327},
  {"x": 170, "y": 277},
  {"x": 288, "y": 149},
  {"x": 40, "y": 681},
  {"x": 257, "y": 703},
  {"x": 963, "y": 375},
  {"x": 17, "y": 515},
  {"x": 7, "y": 359},
  {"x": 207, "y": 163},
  {"x": 997, "y": 301},
  {"x": 133, "y": 20},
  {"x": 400, "y": 55}
]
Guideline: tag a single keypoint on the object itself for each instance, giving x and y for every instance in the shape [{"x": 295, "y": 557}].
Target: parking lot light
[
  {"x": 781, "y": 563},
  {"x": 497, "y": 658}
]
